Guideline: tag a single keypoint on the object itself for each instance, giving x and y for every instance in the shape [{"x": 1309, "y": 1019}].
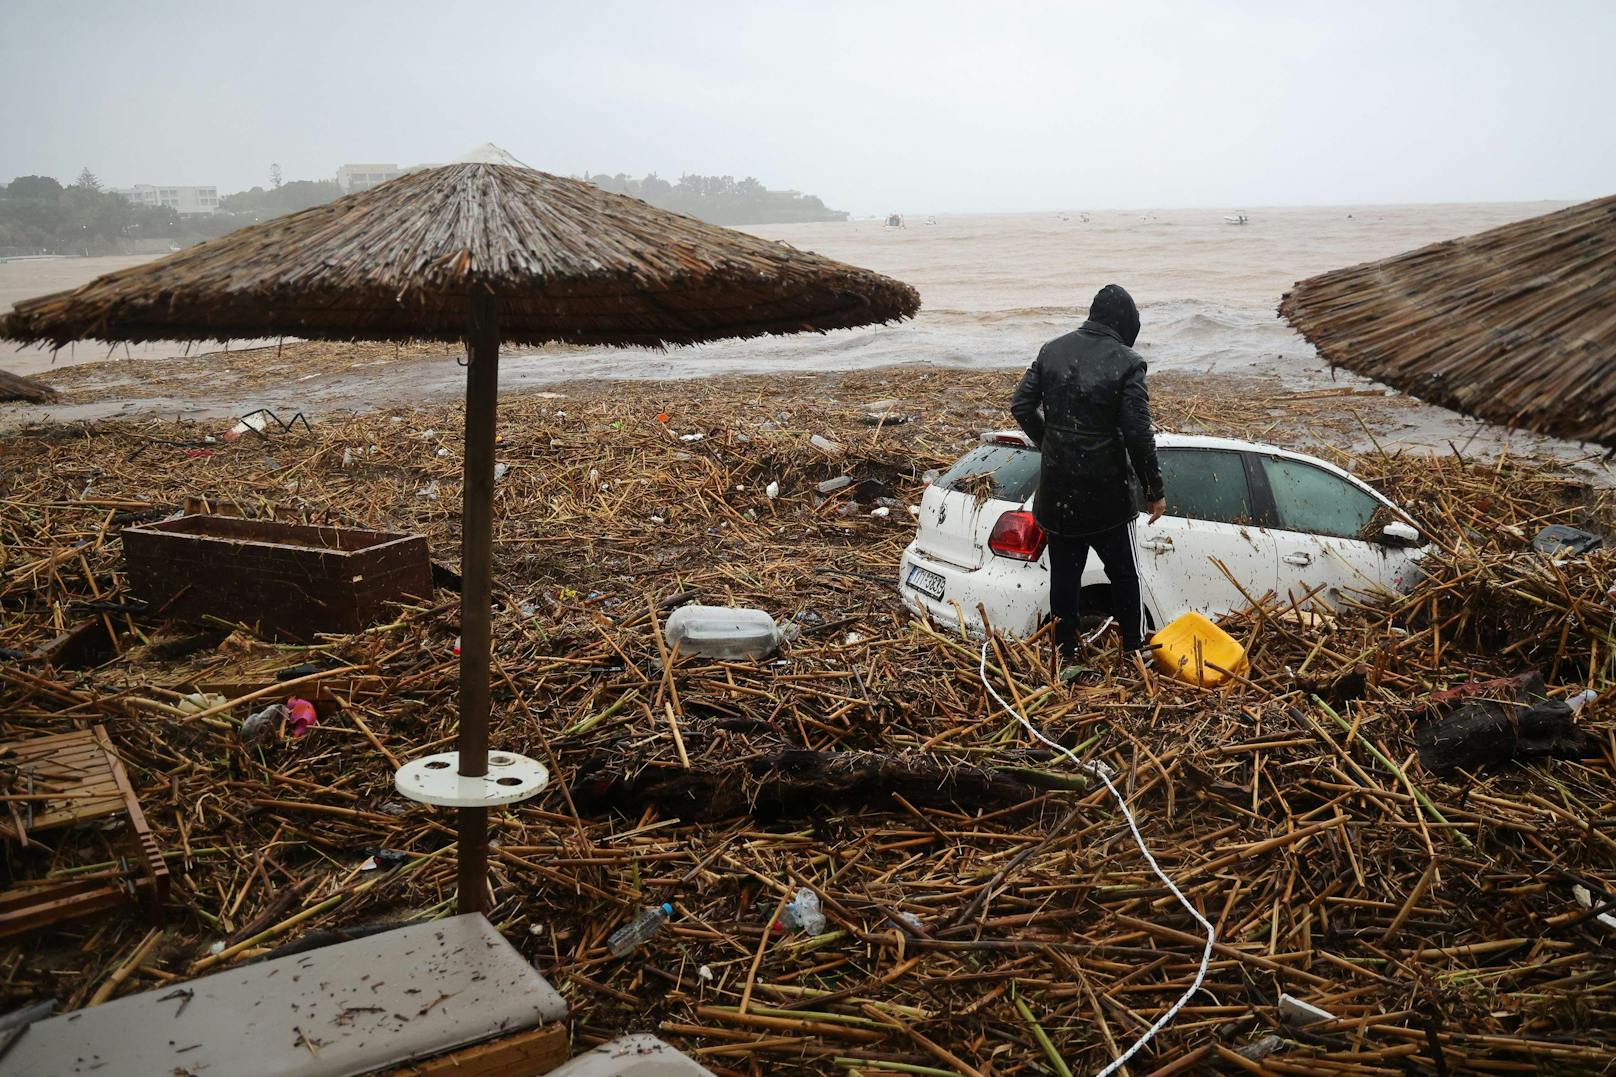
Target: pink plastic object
[{"x": 300, "y": 716}]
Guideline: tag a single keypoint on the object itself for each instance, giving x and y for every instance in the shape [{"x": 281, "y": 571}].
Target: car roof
[{"x": 1166, "y": 439}]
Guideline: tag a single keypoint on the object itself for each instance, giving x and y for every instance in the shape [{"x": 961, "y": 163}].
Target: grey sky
[{"x": 924, "y": 107}]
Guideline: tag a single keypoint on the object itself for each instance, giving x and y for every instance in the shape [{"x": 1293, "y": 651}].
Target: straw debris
[{"x": 986, "y": 909}]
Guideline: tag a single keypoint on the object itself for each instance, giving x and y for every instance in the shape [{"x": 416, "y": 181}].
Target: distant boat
[
  {"x": 895, "y": 220},
  {"x": 1238, "y": 218}
]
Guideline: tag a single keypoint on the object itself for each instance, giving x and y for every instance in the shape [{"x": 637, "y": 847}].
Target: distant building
[
  {"x": 353, "y": 178},
  {"x": 185, "y": 200}
]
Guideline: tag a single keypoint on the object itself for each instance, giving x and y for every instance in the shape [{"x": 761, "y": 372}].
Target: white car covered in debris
[{"x": 1280, "y": 522}]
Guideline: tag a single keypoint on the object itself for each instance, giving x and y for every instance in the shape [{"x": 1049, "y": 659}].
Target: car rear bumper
[{"x": 1013, "y": 594}]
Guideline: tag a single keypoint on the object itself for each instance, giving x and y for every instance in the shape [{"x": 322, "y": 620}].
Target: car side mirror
[{"x": 1397, "y": 533}]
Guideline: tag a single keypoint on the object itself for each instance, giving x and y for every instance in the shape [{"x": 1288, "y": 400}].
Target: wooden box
[{"x": 291, "y": 580}]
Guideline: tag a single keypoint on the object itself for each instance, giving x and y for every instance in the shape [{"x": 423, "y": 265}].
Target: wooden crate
[{"x": 291, "y": 580}]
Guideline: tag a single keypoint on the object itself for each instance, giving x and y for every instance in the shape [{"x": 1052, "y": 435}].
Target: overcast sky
[{"x": 924, "y": 107}]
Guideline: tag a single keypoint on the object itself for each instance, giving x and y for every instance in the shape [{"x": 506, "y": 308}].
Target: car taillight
[{"x": 1017, "y": 535}]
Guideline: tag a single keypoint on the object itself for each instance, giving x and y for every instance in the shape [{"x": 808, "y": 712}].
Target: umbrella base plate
[{"x": 436, "y": 779}]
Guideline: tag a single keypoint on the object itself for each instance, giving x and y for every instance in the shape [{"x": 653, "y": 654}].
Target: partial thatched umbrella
[
  {"x": 480, "y": 252},
  {"x": 1516, "y": 325}
]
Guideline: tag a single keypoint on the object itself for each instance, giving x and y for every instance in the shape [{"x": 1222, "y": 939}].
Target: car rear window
[{"x": 1003, "y": 472}]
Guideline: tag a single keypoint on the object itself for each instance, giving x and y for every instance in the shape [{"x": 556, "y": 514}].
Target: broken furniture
[
  {"x": 57, "y": 781},
  {"x": 291, "y": 580},
  {"x": 423, "y": 994}
]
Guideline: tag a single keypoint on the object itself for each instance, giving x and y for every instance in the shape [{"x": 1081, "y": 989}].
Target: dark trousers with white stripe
[{"x": 1067, "y": 556}]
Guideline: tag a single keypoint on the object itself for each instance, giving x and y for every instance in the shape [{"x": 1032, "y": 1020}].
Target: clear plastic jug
[{"x": 723, "y": 632}]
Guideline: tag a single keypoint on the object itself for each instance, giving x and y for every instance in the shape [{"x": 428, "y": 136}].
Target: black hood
[{"x": 1113, "y": 307}]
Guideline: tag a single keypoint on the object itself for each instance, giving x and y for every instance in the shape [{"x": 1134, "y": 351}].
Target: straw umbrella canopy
[
  {"x": 480, "y": 252},
  {"x": 1516, "y": 325}
]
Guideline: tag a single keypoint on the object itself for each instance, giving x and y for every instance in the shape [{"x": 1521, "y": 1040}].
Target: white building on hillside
[
  {"x": 178, "y": 199},
  {"x": 353, "y": 178}
]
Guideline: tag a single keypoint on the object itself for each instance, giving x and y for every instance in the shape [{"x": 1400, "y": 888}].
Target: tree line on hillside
[
  {"x": 721, "y": 199},
  {"x": 39, "y": 215}
]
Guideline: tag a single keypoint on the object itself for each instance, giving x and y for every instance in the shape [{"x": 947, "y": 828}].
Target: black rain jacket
[{"x": 1095, "y": 420}]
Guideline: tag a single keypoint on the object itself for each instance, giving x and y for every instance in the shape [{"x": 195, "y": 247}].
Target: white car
[{"x": 1279, "y": 521}]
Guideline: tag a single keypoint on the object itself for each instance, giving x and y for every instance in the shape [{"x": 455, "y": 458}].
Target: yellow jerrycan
[{"x": 1195, "y": 650}]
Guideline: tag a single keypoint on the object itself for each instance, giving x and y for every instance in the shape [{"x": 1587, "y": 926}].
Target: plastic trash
[
  {"x": 825, "y": 445},
  {"x": 930, "y": 476},
  {"x": 830, "y": 486},
  {"x": 909, "y": 922},
  {"x": 1293, "y": 1011},
  {"x": 1581, "y": 700},
  {"x": 457, "y": 646},
  {"x": 259, "y": 723},
  {"x": 429, "y": 491},
  {"x": 1194, "y": 649},
  {"x": 691, "y": 437},
  {"x": 1557, "y": 540},
  {"x": 1585, "y": 898},
  {"x": 882, "y": 513},
  {"x": 638, "y": 930},
  {"x": 1261, "y": 1049},
  {"x": 500, "y": 471},
  {"x": 300, "y": 716},
  {"x": 258, "y": 421},
  {"x": 803, "y": 914},
  {"x": 772, "y": 491},
  {"x": 722, "y": 632},
  {"x": 197, "y": 702}
]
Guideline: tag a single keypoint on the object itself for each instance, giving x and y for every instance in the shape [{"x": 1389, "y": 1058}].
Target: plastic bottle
[
  {"x": 722, "y": 632},
  {"x": 825, "y": 445},
  {"x": 638, "y": 930},
  {"x": 830, "y": 486}
]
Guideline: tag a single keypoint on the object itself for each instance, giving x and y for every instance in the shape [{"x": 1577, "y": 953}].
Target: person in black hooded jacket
[{"x": 1095, "y": 421}]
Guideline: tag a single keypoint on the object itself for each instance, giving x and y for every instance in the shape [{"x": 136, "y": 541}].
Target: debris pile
[{"x": 870, "y": 866}]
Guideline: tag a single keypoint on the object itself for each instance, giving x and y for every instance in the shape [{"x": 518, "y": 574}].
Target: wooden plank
[
  {"x": 49, "y": 910},
  {"x": 536, "y": 1051}
]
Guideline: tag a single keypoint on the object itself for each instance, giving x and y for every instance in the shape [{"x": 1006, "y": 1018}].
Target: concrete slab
[
  {"x": 343, "y": 1009},
  {"x": 638, "y": 1055}
]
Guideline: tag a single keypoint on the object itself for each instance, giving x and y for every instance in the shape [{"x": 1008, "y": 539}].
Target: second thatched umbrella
[
  {"x": 482, "y": 253},
  {"x": 1516, "y": 325}
]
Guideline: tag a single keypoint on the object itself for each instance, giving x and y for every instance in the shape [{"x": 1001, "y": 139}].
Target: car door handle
[
  {"x": 1161, "y": 544},
  {"x": 1298, "y": 558}
]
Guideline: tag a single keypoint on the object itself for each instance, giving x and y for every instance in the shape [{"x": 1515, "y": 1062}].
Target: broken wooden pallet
[{"x": 58, "y": 781}]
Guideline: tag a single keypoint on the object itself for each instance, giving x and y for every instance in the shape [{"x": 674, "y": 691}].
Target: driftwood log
[
  {"x": 796, "y": 780},
  {"x": 17, "y": 387}
]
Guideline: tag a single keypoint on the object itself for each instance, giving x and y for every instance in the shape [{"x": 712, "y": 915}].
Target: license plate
[{"x": 926, "y": 582}]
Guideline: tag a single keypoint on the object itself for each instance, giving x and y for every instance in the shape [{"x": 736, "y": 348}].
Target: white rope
[{"x": 1103, "y": 772}]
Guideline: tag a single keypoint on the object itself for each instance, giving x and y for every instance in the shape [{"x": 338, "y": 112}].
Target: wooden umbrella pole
[{"x": 476, "y": 594}]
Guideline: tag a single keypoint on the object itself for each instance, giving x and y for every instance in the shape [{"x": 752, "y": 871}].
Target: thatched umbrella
[
  {"x": 1516, "y": 325},
  {"x": 480, "y": 252}
]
